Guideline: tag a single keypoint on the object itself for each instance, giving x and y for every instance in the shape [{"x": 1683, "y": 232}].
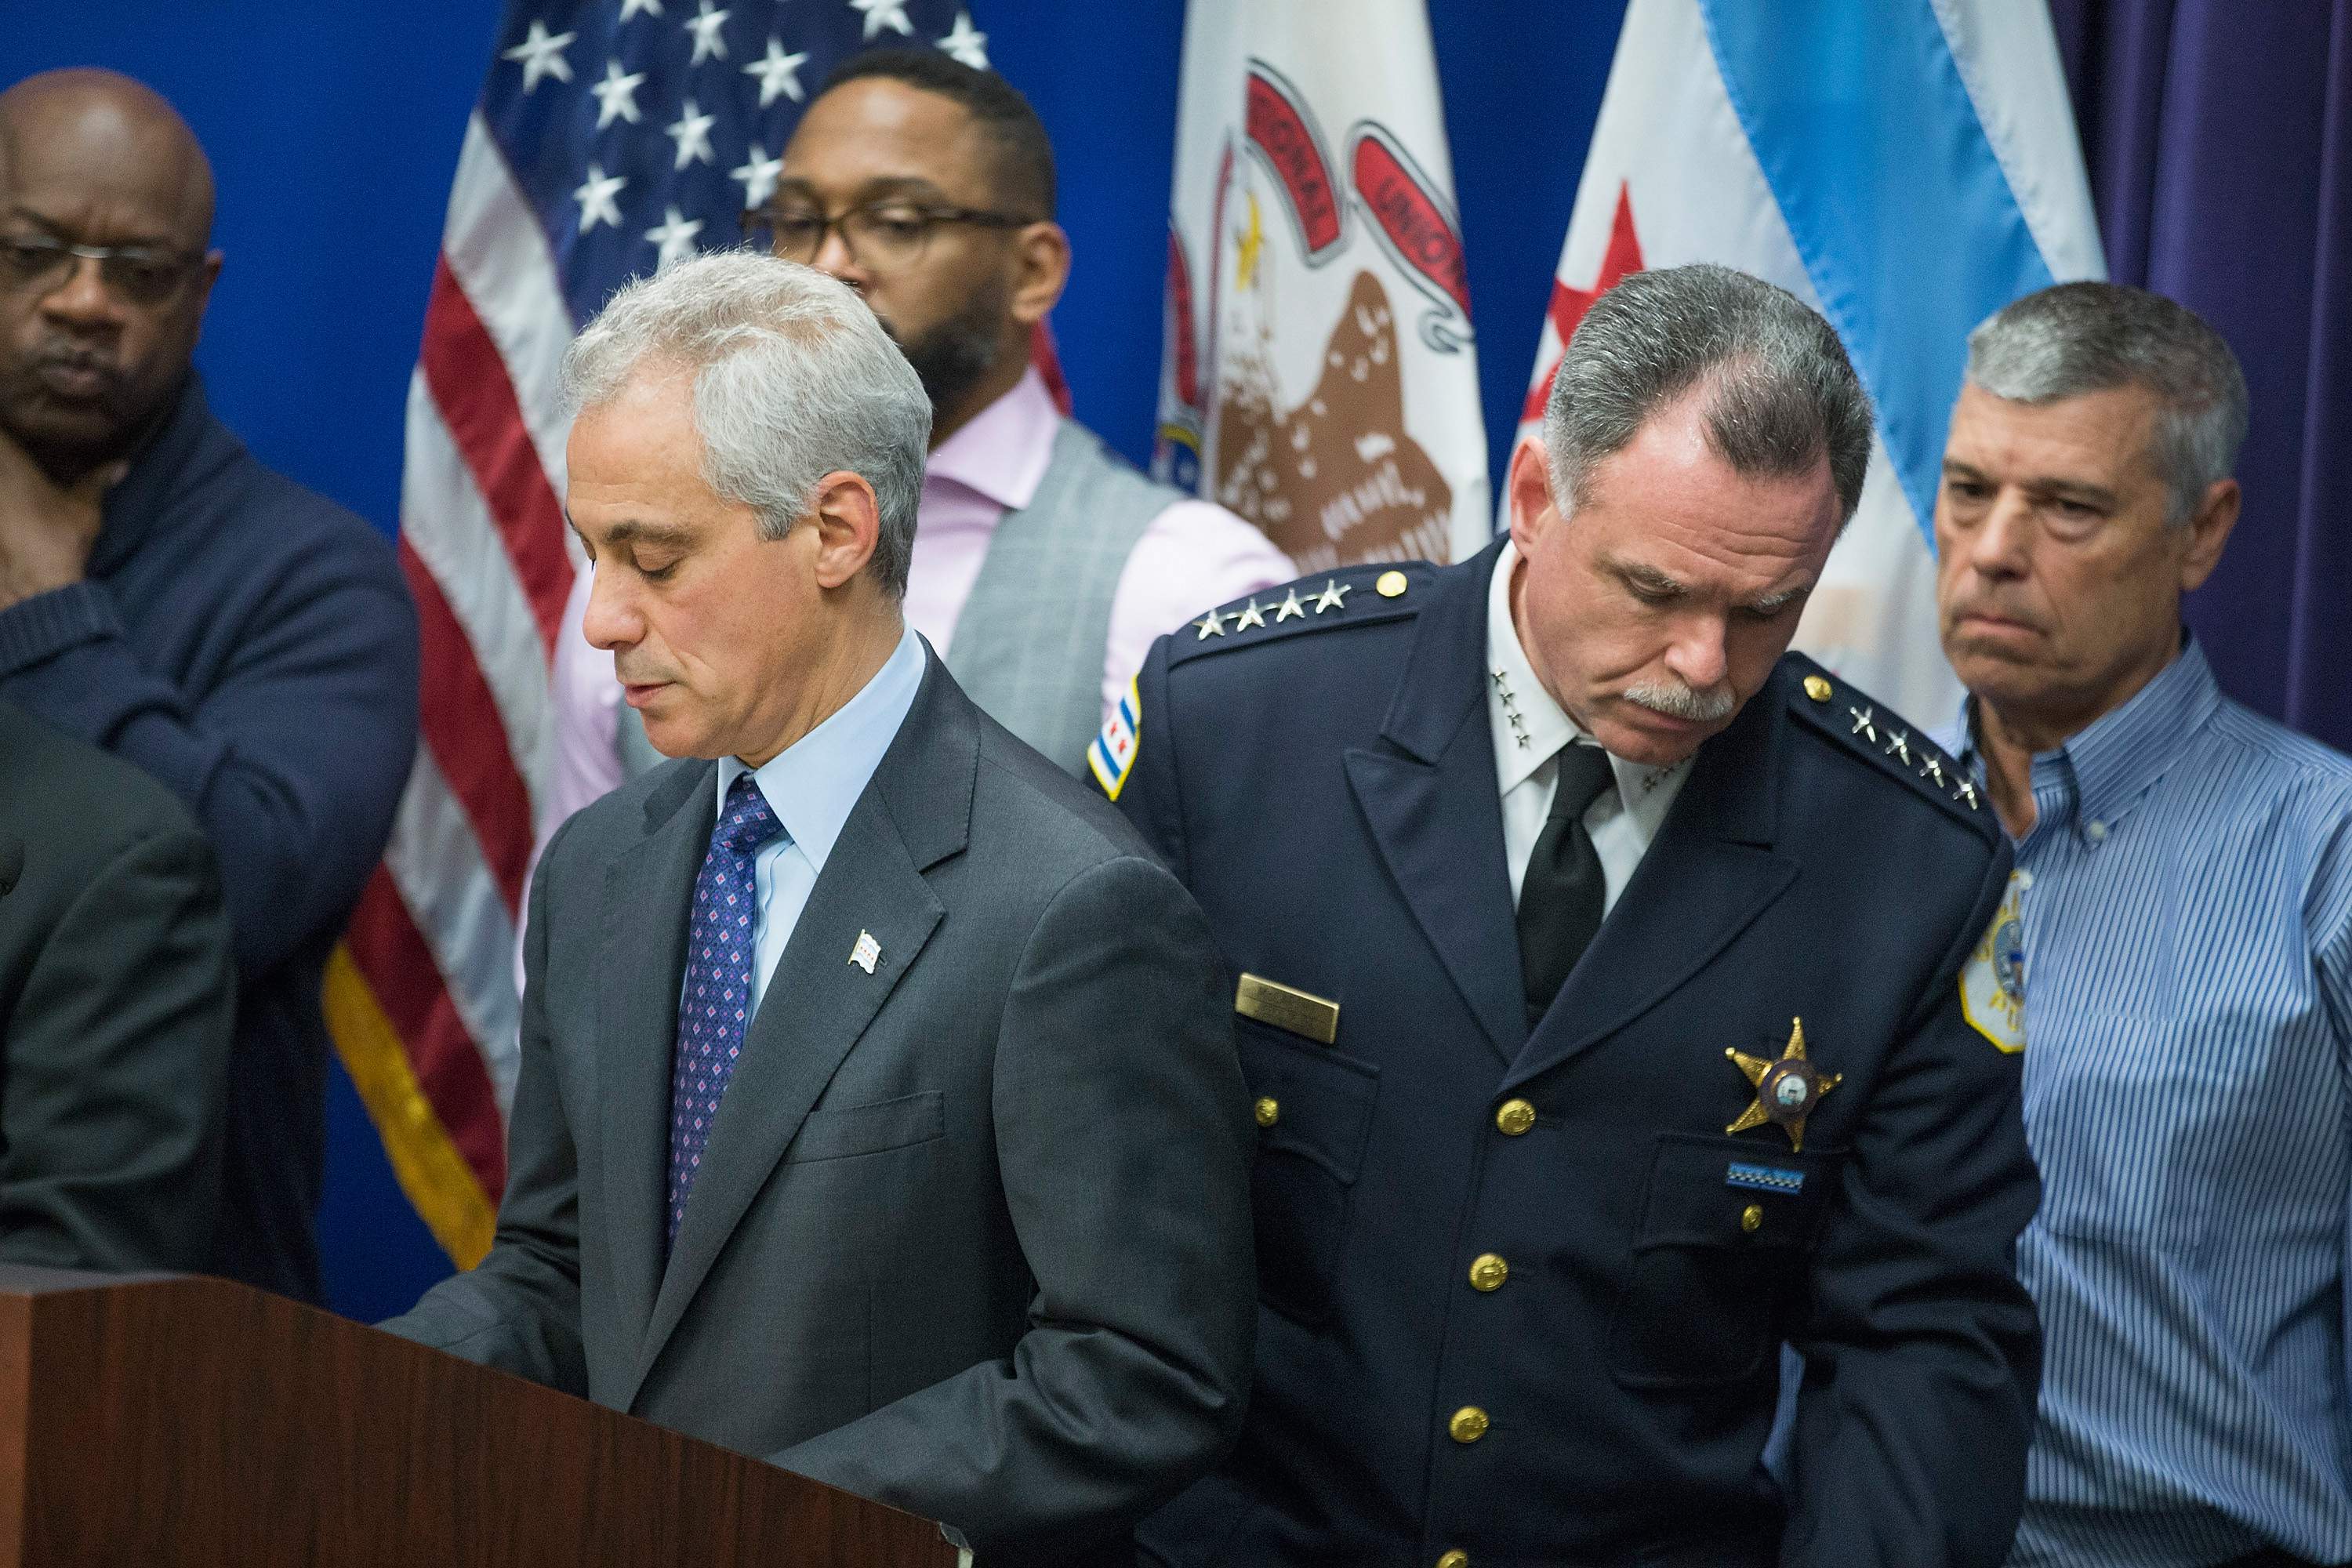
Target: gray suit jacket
[
  {"x": 970, "y": 1234},
  {"x": 118, "y": 995}
]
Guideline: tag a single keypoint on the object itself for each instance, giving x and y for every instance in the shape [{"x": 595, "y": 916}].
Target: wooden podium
[{"x": 168, "y": 1421}]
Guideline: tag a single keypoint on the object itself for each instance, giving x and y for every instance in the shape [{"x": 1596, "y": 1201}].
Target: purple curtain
[{"x": 2219, "y": 139}]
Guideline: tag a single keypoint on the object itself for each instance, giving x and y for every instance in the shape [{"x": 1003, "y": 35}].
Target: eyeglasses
[
  {"x": 888, "y": 234},
  {"x": 141, "y": 274}
]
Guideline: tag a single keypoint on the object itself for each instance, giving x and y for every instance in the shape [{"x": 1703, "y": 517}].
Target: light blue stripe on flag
[{"x": 1907, "y": 224}]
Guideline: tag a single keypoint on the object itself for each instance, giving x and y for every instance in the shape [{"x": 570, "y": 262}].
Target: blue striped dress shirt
[{"x": 2186, "y": 896}]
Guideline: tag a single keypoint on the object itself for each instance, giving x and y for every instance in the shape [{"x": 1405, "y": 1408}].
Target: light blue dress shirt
[
  {"x": 810, "y": 785},
  {"x": 2186, "y": 904}
]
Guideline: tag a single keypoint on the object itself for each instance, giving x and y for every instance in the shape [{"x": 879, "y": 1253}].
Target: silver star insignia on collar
[
  {"x": 1864, "y": 722},
  {"x": 1967, "y": 790},
  {"x": 1212, "y": 625},
  {"x": 1929, "y": 768},
  {"x": 1250, "y": 616},
  {"x": 1333, "y": 598},
  {"x": 1290, "y": 606},
  {"x": 1899, "y": 744}
]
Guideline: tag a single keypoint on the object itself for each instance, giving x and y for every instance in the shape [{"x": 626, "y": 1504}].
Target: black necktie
[{"x": 1560, "y": 898}]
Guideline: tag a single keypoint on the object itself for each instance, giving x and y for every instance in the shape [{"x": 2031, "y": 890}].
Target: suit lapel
[
  {"x": 915, "y": 813},
  {"x": 1434, "y": 804},
  {"x": 642, "y": 966},
  {"x": 1709, "y": 873}
]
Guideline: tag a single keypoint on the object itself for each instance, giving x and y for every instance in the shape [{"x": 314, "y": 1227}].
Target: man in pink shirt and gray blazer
[{"x": 1044, "y": 565}]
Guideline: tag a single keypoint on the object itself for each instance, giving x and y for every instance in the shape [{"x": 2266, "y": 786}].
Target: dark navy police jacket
[{"x": 1325, "y": 785}]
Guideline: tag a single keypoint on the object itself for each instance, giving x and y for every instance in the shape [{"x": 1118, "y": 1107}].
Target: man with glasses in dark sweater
[{"x": 167, "y": 598}]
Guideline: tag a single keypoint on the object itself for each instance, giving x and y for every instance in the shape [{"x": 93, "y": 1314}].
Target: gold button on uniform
[
  {"x": 1514, "y": 1116},
  {"x": 1488, "y": 1273},
  {"x": 1469, "y": 1424},
  {"x": 1269, "y": 1112},
  {"x": 1457, "y": 1558},
  {"x": 1817, "y": 688},
  {"x": 1390, "y": 585},
  {"x": 1751, "y": 1218}
]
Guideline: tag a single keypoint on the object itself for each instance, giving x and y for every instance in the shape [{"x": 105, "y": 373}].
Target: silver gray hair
[
  {"x": 794, "y": 379},
  {"x": 1781, "y": 394},
  {"x": 2078, "y": 338}
]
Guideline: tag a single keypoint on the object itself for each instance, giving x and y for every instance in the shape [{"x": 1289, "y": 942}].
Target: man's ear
[
  {"x": 1529, "y": 488},
  {"x": 1042, "y": 265},
  {"x": 2209, "y": 530},
  {"x": 848, "y": 523}
]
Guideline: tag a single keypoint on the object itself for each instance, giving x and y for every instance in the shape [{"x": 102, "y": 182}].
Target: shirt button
[
  {"x": 1457, "y": 1558},
  {"x": 2024, "y": 881},
  {"x": 1751, "y": 1218},
  {"x": 1488, "y": 1273},
  {"x": 1469, "y": 1424},
  {"x": 2096, "y": 831},
  {"x": 1514, "y": 1116},
  {"x": 1268, "y": 1111}
]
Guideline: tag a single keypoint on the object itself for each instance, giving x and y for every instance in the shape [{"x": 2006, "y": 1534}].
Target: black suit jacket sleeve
[
  {"x": 1922, "y": 1351},
  {"x": 117, "y": 1053},
  {"x": 519, "y": 1309},
  {"x": 1121, "y": 1133}
]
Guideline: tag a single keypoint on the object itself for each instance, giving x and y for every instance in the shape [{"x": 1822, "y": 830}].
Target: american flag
[{"x": 612, "y": 138}]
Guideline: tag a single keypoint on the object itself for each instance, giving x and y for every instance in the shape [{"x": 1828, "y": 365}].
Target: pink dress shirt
[{"x": 1191, "y": 556}]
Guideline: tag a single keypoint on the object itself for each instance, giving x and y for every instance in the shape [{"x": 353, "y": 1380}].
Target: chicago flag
[
  {"x": 1906, "y": 167},
  {"x": 1319, "y": 377}
]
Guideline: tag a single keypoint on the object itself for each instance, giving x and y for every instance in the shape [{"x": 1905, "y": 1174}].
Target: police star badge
[{"x": 1786, "y": 1089}]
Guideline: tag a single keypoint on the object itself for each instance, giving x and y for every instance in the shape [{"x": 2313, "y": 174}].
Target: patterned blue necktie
[{"x": 717, "y": 1000}]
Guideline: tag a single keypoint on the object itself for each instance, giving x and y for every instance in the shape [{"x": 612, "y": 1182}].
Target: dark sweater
[{"x": 253, "y": 647}]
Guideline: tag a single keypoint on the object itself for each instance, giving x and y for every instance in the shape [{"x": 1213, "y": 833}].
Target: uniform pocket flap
[
  {"x": 1708, "y": 1190},
  {"x": 834, "y": 1132},
  {"x": 1311, "y": 1103}
]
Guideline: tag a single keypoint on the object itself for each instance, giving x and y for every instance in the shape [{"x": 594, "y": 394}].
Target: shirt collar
[
  {"x": 1002, "y": 452},
  {"x": 813, "y": 784},
  {"x": 1513, "y": 693},
  {"x": 2115, "y": 759}
]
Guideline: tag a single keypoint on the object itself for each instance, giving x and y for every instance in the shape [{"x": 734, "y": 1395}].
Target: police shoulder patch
[
  {"x": 1992, "y": 983},
  {"x": 1849, "y": 717},
  {"x": 1349, "y": 595},
  {"x": 1112, "y": 757}
]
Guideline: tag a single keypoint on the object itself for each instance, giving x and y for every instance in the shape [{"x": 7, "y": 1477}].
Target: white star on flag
[
  {"x": 617, "y": 95},
  {"x": 778, "y": 72},
  {"x": 705, "y": 25},
  {"x": 675, "y": 234},
  {"x": 631, "y": 8},
  {"x": 759, "y": 176},
  {"x": 881, "y": 13},
  {"x": 542, "y": 55},
  {"x": 595, "y": 198},
  {"x": 692, "y": 134},
  {"x": 966, "y": 43}
]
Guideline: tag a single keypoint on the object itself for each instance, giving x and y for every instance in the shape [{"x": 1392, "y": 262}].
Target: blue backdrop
[{"x": 334, "y": 132}]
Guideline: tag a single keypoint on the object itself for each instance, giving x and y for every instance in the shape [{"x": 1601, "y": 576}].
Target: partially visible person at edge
[
  {"x": 2178, "y": 940},
  {"x": 1044, "y": 564},
  {"x": 169, "y": 599},
  {"x": 1599, "y": 985}
]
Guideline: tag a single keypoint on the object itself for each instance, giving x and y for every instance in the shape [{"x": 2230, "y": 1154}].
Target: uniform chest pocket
[
  {"x": 835, "y": 1133},
  {"x": 1729, "y": 1226},
  {"x": 1313, "y": 1110}
]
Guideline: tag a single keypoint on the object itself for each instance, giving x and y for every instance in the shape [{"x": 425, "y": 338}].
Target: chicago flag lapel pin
[{"x": 866, "y": 950}]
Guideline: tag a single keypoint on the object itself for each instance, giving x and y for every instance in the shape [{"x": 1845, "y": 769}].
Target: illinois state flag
[
  {"x": 1906, "y": 167},
  {"x": 1318, "y": 376}
]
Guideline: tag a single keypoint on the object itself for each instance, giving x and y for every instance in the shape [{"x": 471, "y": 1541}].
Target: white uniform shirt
[{"x": 1529, "y": 729}]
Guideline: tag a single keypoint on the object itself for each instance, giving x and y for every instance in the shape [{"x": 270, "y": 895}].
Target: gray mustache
[{"x": 1676, "y": 700}]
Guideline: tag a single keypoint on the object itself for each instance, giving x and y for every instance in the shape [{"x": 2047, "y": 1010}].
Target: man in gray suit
[{"x": 878, "y": 1111}]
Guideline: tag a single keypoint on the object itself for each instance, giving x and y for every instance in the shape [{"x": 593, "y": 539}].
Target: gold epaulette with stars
[
  {"x": 1847, "y": 715},
  {"x": 1350, "y": 595}
]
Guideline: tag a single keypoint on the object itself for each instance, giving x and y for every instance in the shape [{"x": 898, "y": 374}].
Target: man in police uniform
[{"x": 1599, "y": 985}]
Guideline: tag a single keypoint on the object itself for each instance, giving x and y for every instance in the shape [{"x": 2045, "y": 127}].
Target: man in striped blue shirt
[{"x": 2179, "y": 937}]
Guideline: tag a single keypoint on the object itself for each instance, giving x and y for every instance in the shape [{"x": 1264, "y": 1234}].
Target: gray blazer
[{"x": 971, "y": 1234}]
